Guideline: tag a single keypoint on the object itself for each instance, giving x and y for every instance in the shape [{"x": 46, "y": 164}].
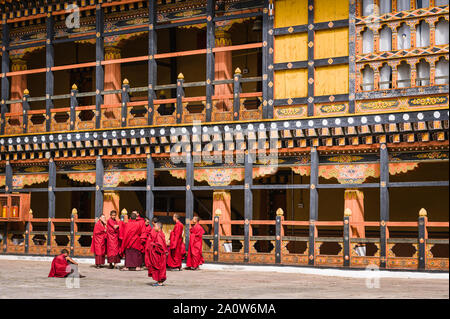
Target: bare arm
[{"x": 71, "y": 260}]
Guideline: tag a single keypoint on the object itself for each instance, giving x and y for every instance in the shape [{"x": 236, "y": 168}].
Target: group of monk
[{"x": 141, "y": 243}]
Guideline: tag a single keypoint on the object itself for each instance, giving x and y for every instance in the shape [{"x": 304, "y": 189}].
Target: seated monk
[
  {"x": 131, "y": 245},
  {"x": 177, "y": 249},
  {"x": 195, "y": 256},
  {"x": 63, "y": 265},
  {"x": 157, "y": 252}
]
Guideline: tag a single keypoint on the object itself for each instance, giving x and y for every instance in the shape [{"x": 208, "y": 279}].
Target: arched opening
[
  {"x": 404, "y": 37},
  {"x": 422, "y": 34},
  {"x": 367, "y": 37},
  {"x": 441, "y": 73},
  {"x": 423, "y": 73},
  {"x": 367, "y": 78},
  {"x": 385, "y": 39},
  {"x": 404, "y": 75},
  {"x": 441, "y": 33},
  {"x": 385, "y": 77}
]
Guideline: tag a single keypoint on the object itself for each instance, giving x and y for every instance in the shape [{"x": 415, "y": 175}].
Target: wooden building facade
[{"x": 302, "y": 132}]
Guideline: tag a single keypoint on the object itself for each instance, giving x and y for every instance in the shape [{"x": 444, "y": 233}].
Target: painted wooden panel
[
  {"x": 290, "y": 48},
  {"x": 330, "y": 10},
  {"x": 331, "y": 80},
  {"x": 291, "y": 84},
  {"x": 291, "y": 12},
  {"x": 331, "y": 43}
]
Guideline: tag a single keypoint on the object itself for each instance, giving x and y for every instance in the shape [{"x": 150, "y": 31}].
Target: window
[
  {"x": 385, "y": 77},
  {"x": 367, "y": 79},
  {"x": 422, "y": 4},
  {"x": 385, "y": 39},
  {"x": 422, "y": 34},
  {"x": 367, "y": 37},
  {"x": 441, "y": 36},
  {"x": 441, "y": 3},
  {"x": 423, "y": 73},
  {"x": 441, "y": 74},
  {"x": 367, "y": 7},
  {"x": 404, "y": 75},
  {"x": 403, "y": 5},
  {"x": 404, "y": 37},
  {"x": 385, "y": 6}
]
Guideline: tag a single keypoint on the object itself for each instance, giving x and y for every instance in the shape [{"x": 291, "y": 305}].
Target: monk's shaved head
[
  {"x": 134, "y": 215},
  {"x": 154, "y": 220},
  {"x": 65, "y": 251},
  {"x": 158, "y": 226},
  {"x": 176, "y": 217}
]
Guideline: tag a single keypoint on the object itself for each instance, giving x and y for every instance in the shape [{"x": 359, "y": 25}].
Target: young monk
[
  {"x": 195, "y": 257},
  {"x": 63, "y": 265},
  {"x": 177, "y": 249},
  {"x": 98, "y": 245},
  {"x": 157, "y": 251},
  {"x": 113, "y": 247},
  {"x": 148, "y": 237},
  {"x": 131, "y": 244}
]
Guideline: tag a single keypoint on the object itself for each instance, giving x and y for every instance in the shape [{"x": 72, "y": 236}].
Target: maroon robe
[
  {"x": 195, "y": 257},
  {"x": 131, "y": 244},
  {"x": 60, "y": 267},
  {"x": 157, "y": 257},
  {"x": 145, "y": 234},
  {"x": 150, "y": 239},
  {"x": 177, "y": 249},
  {"x": 98, "y": 245},
  {"x": 113, "y": 245}
]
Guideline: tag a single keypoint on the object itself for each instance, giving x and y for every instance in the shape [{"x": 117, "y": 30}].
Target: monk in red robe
[
  {"x": 63, "y": 265},
  {"x": 157, "y": 252},
  {"x": 131, "y": 245},
  {"x": 147, "y": 238},
  {"x": 177, "y": 249},
  {"x": 195, "y": 257},
  {"x": 98, "y": 245},
  {"x": 113, "y": 247}
]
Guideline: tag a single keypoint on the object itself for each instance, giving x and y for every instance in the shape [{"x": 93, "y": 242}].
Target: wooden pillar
[
  {"x": 278, "y": 235},
  {"x": 49, "y": 78},
  {"x": 384, "y": 203},
  {"x": 8, "y": 177},
  {"x": 248, "y": 202},
  {"x": 311, "y": 67},
  {"x": 216, "y": 236},
  {"x": 5, "y": 79},
  {"x": 99, "y": 173},
  {"x": 125, "y": 100},
  {"x": 210, "y": 41},
  {"x": 423, "y": 237},
  {"x": 18, "y": 83},
  {"x": 99, "y": 56},
  {"x": 149, "y": 195},
  {"x": 73, "y": 215},
  {"x": 347, "y": 247},
  {"x": 223, "y": 69},
  {"x": 180, "y": 95},
  {"x": 354, "y": 201},
  {"x": 112, "y": 81},
  {"x": 25, "y": 109},
  {"x": 352, "y": 52},
  {"x": 222, "y": 207},
  {"x": 51, "y": 201},
  {"x": 313, "y": 204},
  {"x": 267, "y": 58},
  {"x": 237, "y": 94},
  {"x": 189, "y": 196},
  {"x": 73, "y": 105},
  {"x": 152, "y": 67}
]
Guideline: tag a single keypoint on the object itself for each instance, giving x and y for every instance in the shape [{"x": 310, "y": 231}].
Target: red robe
[
  {"x": 145, "y": 234},
  {"x": 113, "y": 247},
  {"x": 177, "y": 249},
  {"x": 131, "y": 236},
  {"x": 157, "y": 257},
  {"x": 150, "y": 239},
  {"x": 195, "y": 257},
  {"x": 60, "y": 267},
  {"x": 98, "y": 245}
]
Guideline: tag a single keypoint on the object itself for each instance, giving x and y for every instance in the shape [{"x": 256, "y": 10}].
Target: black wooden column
[
  {"x": 149, "y": 195},
  {"x": 267, "y": 59},
  {"x": 311, "y": 66},
  {"x": 5, "y": 69},
  {"x": 278, "y": 238},
  {"x": 347, "y": 239},
  {"x": 25, "y": 109},
  {"x": 99, "y": 56},
  {"x": 99, "y": 172},
  {"x": 125, "y": 100},
  {"x": 313, "y": 204},
  {"x": 216, "y": 237},
  {"x": 180, "y": 95},
  {"x": 51, "y": 200},
  {"x": 73, "y": 105},
  {"x": 423, "y": 236},
  {"x": 49, "y": 78},
  {"x": 352, "y": 54},
  {"x": 210, "y": 67},
  {"x": 189, "y": 195},
  {"x": 72, "y": 232},
  {"x": 27, "y": 237},
  {"x": 384, "y": 203},
  {"x": 8, "y": 177},
  {"x": 248, "y": 202},
  {"x": 152, "y": 66},
  {"x": 237, "y": 94}
]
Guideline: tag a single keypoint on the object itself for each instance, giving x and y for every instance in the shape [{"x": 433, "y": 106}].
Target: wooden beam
[
  {"x": 99, "y": 56},
  {"x": 189, "y": 196},
  {"x": 5, "y": 80},
  {"x": 384, "y": 203},
  {"x": 248, "y": 202},
  {"x": 99, "y": 173},
  {"x": 49, "y": 78},
  {"x": 210, "y": 62},
  {"x": 149, "y": 195},
  {"x": 152, "y": 65},
  {"x": 313, "y": 203}
]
